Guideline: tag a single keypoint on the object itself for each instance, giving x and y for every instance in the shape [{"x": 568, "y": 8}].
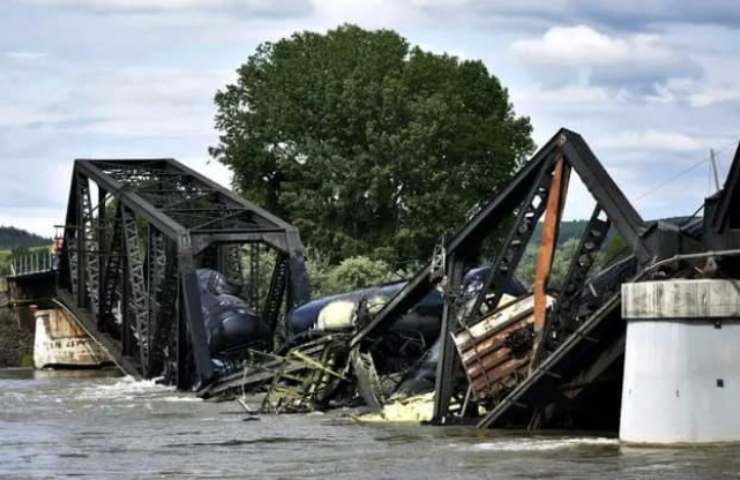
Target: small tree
[
  {"x": 357, "y": 272},
  {"x": 369, "y": 146}
]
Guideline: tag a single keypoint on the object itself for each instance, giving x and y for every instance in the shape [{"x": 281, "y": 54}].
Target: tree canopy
[{"x": 368, "y": 145}]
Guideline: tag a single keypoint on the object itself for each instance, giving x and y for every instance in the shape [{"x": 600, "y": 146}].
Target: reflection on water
[{"x": 96, "y": 424}]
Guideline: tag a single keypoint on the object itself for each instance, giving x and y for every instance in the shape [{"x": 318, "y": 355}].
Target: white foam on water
[
  {"x": 126, "y": 388},
  {"x": 191, "y": 398},
  {"x": 14, "y": 397},
  {"x": 539, "y": 445}
]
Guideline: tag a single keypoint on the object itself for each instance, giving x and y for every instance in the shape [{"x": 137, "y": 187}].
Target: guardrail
[{"x": 33, "y": 262}]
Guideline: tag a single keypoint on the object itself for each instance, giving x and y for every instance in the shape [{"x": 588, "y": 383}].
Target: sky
[{"x": 651, "y": 85}]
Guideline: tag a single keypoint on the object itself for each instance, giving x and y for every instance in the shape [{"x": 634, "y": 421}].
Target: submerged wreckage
[{"x": 163, "y": 270}]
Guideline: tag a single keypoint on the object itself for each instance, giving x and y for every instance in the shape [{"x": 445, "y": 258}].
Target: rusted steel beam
[{"x": 555, "y": 201}]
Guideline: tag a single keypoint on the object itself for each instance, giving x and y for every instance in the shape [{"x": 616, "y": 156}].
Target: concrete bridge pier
[{"x": 682, "y": 362}]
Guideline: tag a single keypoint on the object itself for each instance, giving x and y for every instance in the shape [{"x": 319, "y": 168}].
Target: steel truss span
[
  {"x": 521, "y": 367},
  {"x": 135, "y": 234}
]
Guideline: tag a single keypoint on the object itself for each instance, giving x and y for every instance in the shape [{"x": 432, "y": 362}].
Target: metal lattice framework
[
  {"x": 129, "y": 260},
  {"x": 511, "y": 216}
]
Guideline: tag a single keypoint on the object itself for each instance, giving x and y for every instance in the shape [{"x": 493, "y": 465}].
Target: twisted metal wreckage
[{"x": 164, "y": 271}]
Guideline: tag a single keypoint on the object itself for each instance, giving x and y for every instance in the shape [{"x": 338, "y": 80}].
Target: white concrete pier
[
  {"x": 60, "y": 342},
  {"x": 682, "y": 362}
]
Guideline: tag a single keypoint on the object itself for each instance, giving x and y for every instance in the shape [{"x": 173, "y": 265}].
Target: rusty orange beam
[{"x": 555, "y": 201}]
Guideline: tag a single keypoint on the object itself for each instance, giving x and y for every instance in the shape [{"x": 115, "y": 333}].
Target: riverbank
[{"x": 16, "y": 342}]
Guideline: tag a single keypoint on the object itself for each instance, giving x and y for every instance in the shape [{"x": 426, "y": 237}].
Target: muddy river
[{"x": 93, "y": 425}]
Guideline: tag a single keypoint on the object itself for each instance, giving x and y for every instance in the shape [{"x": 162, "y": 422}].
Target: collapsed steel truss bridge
[
  {"x": 569, "y": 349},
  {"x": 135, "y": 233}
]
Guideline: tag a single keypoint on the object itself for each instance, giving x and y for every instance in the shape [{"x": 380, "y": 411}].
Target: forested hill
[
  {"x": 568, "y": 229},
  {"x": 11, "y": 237}
]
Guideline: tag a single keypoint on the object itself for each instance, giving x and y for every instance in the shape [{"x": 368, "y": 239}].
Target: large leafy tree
[{"x": 366, "y": 144}]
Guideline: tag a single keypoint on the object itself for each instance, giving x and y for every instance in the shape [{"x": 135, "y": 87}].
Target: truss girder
[
  {"x": 133, "y": 268},
  {"x": 467, "y": 241},
  {"x": 91, "y": 247},
  {"x": 111, "y": 279},
  {"x": 508, "y": 220}
]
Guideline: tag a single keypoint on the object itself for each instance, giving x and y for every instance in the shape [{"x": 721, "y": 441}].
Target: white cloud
[
  {"x": 715, "y": 96},
  {"x": 151, "y": 102},
  {"x": 16, "y": 115},
  {"x": 97, "y": 112},
  {"x": 627, "y": 14},
  {"x": 574, "y": 45},
  {"x": 650, "y": 141},
  {"x": 500, "y": 7},
  {"x": 24, "y": 56},
  {"x": 144, "y": 102},
  {"x": 567, "y": 53},
  {"x": 567, "y": 95},
  {"x": 287, "y": 8}
]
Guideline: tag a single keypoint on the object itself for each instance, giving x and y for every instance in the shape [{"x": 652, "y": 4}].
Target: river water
[{"x": 91, "y": 425}]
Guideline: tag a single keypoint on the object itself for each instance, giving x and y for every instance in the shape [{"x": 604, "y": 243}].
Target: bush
[{"x": 356, "y": 272}]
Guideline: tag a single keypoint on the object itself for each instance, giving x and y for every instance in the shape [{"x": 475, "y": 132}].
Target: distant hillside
[
  {"x": 568, "y": 229},
  {"x": 11, "y": 237}
]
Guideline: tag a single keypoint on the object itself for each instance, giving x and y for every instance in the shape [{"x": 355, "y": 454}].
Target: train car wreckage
[{"x": 468, "y": 338}]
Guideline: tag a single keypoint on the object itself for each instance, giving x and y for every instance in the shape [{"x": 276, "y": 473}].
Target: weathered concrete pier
[
  {"x": 681, "y": 376},
  {"x": 60, "y": 342}
]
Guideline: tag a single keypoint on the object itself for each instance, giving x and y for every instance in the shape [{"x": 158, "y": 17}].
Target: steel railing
[{"x": 33, "y": 262}]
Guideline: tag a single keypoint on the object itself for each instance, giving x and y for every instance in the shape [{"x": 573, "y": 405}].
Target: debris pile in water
[{"x": 316, "y": 369}]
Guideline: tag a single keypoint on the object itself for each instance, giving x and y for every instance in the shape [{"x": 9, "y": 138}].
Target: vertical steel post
[
  {"x": 448, "y": 363},
  {"x": 150, "y": 298},
  {"x": 183, "y": 378},
  {"x": 192, "y": 311},
  {"x": 126, "y": 333},
  {"x": 102, "y": 249},
  {"x": 81, "y": 257}
]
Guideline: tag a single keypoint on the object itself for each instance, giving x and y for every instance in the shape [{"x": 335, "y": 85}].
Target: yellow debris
[{"x": 418, "y": 408}]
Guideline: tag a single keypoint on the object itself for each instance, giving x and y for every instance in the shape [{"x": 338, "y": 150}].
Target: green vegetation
[
  {"x": 570, "y": 233},
  {"x": 351, "y": 274},
  {"x": 368, "y": 145},
  {"x": 560, "y": 263},
  {"x": 361, "y": 271}
]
